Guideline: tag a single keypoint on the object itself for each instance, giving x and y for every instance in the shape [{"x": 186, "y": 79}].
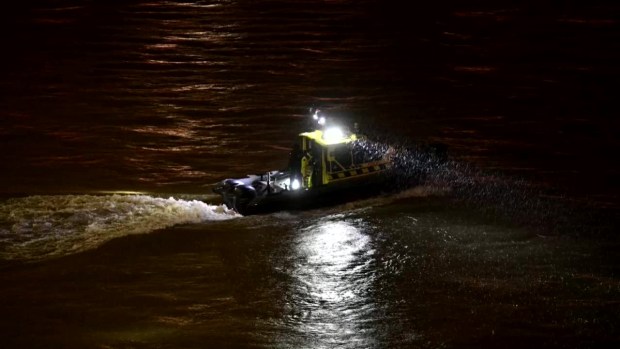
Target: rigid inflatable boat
[{"x": 328, "y": 165}]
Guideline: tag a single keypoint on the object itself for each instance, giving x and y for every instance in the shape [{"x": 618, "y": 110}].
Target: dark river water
[{"x": 117, "y": 116}]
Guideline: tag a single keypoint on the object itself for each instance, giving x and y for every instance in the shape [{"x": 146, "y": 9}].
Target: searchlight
[{"x": 333, "y": 135}]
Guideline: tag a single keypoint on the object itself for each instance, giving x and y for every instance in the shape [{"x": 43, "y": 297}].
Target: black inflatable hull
[{"x": 296, "y": 200}]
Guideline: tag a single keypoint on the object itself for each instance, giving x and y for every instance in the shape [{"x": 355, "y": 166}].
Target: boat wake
[{"x": 42, "y": 227}]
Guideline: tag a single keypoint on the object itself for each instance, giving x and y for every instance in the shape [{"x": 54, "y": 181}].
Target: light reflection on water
[{"x": 333, "y": 283}]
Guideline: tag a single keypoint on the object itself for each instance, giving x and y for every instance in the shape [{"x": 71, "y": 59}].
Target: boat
[{"x": 327, "y": 165}]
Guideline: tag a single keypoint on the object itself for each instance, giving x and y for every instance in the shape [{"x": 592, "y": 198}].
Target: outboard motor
[
  {"x": 226, "y": 186},
  {"x": 236, "y": 194}
]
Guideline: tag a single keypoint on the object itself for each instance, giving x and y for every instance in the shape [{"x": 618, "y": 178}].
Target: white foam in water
[{"x": 39, "y": 227}]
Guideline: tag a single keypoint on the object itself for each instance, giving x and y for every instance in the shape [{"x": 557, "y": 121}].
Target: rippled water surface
[{"x": 117, "y": 116}]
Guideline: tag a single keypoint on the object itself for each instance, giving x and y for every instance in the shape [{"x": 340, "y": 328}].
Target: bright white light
[
  {"x": 322, "y": 121},
  {"x": 333, "y": 135},
  {"x": 315, "y": 116},
  {"x": 295, "y": 185}
]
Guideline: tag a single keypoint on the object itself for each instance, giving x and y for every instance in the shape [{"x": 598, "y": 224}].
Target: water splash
[
  {"x": 427, "y": 170},
  {"x": 42, "y": 227}
]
